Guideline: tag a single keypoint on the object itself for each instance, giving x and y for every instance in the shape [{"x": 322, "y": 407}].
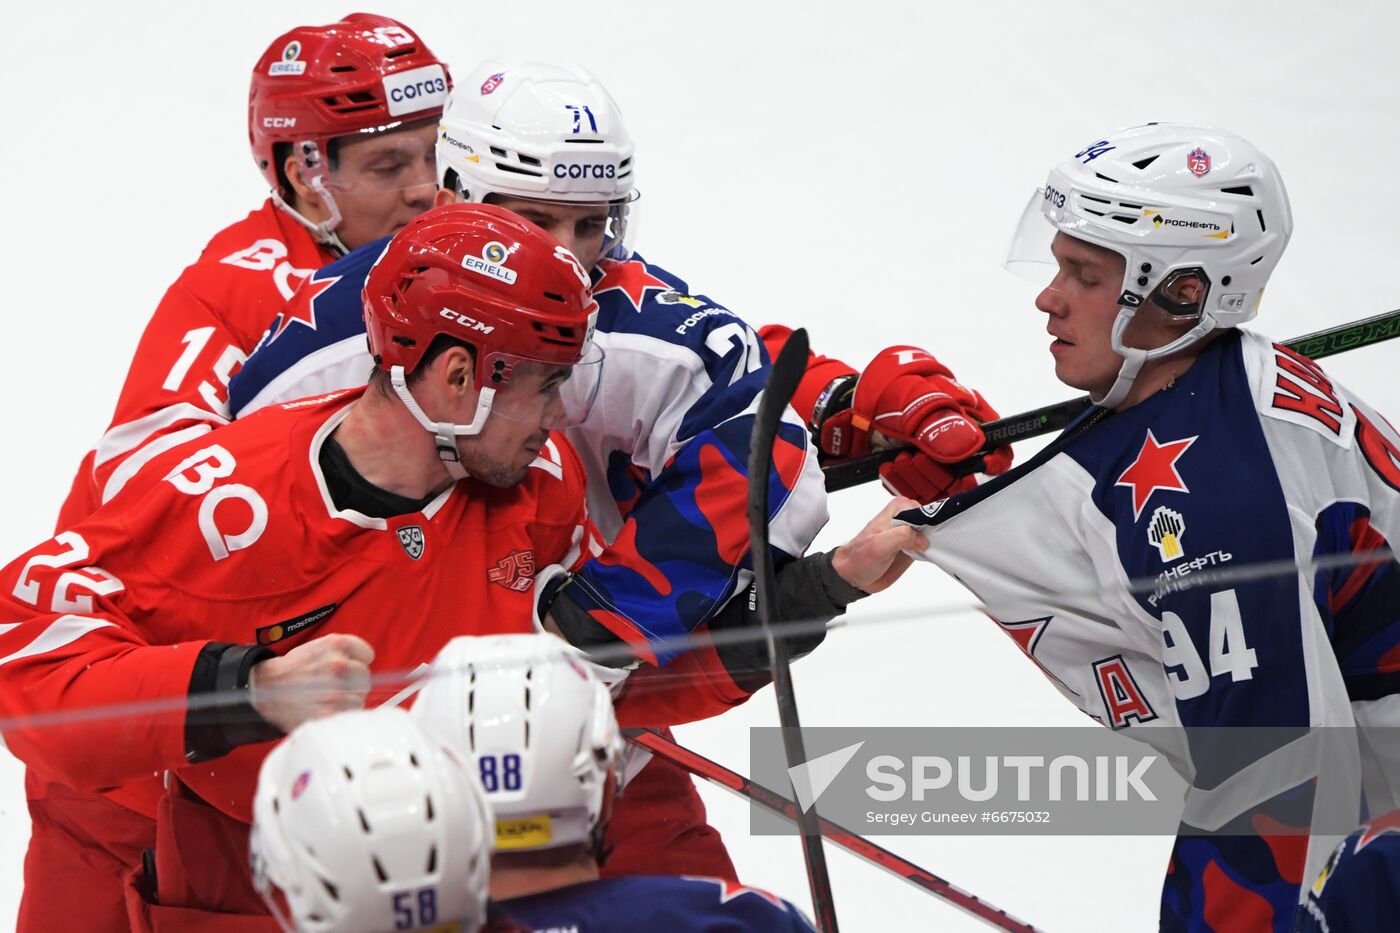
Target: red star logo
[
  {"x": 630, "y": 277},
  {"x": 728, "y": 890},
  {"x": 1154, "y": 469},
  {"x": 1026, "y": 634},
  {"x": 302, "y": 307},
  {"x": 1390, "y": 823}
]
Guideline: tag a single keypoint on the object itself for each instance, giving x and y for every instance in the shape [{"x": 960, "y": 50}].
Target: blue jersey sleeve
[{"x": 684, "y": 376}]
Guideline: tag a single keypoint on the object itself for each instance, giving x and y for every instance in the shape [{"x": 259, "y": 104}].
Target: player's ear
[
  {"x": 445, "y": 196},
  {"x": 307, "y": 200},
  {"x": 458, "y": 371}
]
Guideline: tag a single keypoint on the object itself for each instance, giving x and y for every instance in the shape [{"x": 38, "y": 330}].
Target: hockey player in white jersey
[
  {"x": 535, "y": 720},
  {"x": 1208, "y": 449}
]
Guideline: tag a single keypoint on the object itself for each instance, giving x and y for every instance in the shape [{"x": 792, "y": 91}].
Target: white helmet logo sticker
[
  {"x": 492, "y": 262},
  {"x": 289, "y": 64}
]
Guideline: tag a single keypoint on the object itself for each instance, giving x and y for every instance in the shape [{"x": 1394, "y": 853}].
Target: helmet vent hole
[
  {"x": 586, "y": 142},
  {"x": 1090, "y": 197},
  {"x": 348, "y": 775},
  {"x": 276, "y": 805},
  {"x": 360, "y": 97},
  {"x": 428, "y": 808},
  {"x": 527, "y": 733},
  {"x": 1111, "y": 181},
  {"x": 379, "y": 871},
  {"x": 364, "y": 823},
  {"x": 528, "y": 160},
  {"x": 1124, "y": 220},
  {"x": 331, "y": 889},
  {"x": 1088, "y": 210},
  {"x": 1256, "y": 260},
  {"x": 553, "y": 297},
  {"x": 507, "y": 167},
  {"x": 1141, "y": 164},
  {"x": 338, "y": 69},
  {"x": 413, "y": 760},
  {"x": 404, "y": 50},
  {"x": 1239, "y": 189},
  {"x": 1262, "y": 227},
  {"x": 432, "y": 860},
  {"x": 497, "y": 151}
]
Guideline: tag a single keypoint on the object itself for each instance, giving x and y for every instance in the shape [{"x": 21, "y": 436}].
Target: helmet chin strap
[
  {"x": 323, "y": 232},
  {"x": 1133, "y": 358},
  {"x": 445, "y": 433}
]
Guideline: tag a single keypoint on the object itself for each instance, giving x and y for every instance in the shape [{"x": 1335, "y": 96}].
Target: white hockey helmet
[
  {"x": 531, "y": 130},
  {"x": 364, "y": 823},
  {"x": 540, "y": 726},
  {"x": 1181, "y": 203}
]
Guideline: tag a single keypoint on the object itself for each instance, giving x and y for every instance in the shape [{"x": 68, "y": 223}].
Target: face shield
[
  {"x": 1029, "y": 256},
  {"x": 621, "y": 229},
  {"x": 541, "y": 393}
]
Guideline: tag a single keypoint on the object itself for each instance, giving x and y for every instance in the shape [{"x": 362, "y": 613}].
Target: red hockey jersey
[
  {"x": 236, "y": 540},
  {"x": 233, "y": 538},
  {"x": 203, "y": 329}
]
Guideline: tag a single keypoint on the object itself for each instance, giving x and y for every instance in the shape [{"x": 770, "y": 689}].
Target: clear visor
[
  {"x": 622, "y": 226},
  {"x": 548, "y": 395},
  {"x": 1029, "y": 256}
]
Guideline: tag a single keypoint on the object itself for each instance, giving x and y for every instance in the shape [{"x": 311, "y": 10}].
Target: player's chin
[{"x": 502, "y": 476}]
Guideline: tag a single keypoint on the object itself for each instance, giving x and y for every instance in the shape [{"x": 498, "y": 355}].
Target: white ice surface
[{"x": 854, "y": 168}]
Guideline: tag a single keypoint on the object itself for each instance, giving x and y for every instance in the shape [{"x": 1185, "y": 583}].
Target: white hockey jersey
[{"x": 1149, "y": 562}]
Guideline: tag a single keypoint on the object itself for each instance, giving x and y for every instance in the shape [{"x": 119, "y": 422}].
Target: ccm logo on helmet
[
  {"x": 585, "y": 170},
  {"x": 273, "y": 123},
  {"x": 415, "y": 89},
  {"x": 467, "y": 322}
]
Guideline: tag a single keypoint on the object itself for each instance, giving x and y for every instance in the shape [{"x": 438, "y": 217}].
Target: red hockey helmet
[
  {"x": 499, "y": 283},
  {"x": 366, "y": 73}
]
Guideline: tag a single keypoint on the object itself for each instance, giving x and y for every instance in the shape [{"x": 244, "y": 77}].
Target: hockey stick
[
  {"x": 1003, "y": 431},
  {"x": 786, "y": 372},
  {"x": 854, "y": 843}
]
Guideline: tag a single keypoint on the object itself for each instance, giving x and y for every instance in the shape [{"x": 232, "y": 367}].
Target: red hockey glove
[{"x": 905, "y": 396}]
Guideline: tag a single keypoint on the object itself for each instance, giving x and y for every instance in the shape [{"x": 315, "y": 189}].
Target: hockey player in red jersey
[
  {"x": 332, "y": 533},
  {"x": 363, "y": 527},
  {"x": 341, "y": 121},
  {"x": 535, "y": 721}
]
